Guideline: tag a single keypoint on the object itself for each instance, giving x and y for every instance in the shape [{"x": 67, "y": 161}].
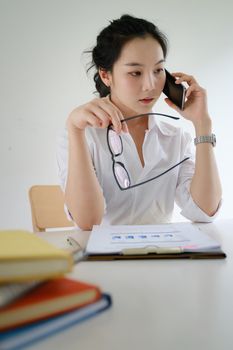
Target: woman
[{"x": 129, "y": 58}]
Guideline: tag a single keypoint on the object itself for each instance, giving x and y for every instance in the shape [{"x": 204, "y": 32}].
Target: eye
[
  {"x": 135, "y": 74},
  {"x": 159, "y": 70}
]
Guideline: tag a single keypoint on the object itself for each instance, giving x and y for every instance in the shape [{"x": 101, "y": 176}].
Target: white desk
[{"x": 157, "y": 304}]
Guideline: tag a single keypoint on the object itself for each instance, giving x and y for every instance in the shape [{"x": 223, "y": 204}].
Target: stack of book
[{"x": 36, "y": 298}]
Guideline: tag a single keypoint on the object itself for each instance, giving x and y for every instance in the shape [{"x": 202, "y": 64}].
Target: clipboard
[
  {"x": 82, "y": 255},
  {"x": 165, "y": 254},
  {"x": 166, "y": 241}
]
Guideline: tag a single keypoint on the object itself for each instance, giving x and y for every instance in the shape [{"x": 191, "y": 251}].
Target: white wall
[{"x": 42, "y": 78}]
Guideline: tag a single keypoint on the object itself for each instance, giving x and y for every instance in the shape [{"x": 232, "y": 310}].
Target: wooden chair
[{"x": 47, "y": 207}]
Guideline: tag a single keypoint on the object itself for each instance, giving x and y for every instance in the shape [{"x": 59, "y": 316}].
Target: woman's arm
[
  {"x": 83, "y": 194},
  {"x": 205, "y": 186}
]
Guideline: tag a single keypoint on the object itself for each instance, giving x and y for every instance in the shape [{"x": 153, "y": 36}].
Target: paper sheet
[{"x": 114, "y": 239}]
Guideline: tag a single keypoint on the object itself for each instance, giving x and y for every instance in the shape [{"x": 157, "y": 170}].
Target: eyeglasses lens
[
  {"x": 115, "y": 143},
  {"x": 121, "y": 175}
]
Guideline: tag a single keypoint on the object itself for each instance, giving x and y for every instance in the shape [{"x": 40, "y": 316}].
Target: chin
[{"x": 136, "y": 109}]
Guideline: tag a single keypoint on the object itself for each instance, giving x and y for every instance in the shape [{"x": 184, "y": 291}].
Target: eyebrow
[{"x": 133, "y": 64}]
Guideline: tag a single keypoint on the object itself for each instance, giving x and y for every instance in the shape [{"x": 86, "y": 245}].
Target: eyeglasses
[{"x": 115, "y": 146}]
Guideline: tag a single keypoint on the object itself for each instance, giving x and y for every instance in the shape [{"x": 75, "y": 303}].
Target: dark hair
[{"x": 111, "y": 40}]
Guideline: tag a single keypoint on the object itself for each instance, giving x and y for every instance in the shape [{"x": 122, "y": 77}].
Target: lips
[{"x": 146, "y": 100}]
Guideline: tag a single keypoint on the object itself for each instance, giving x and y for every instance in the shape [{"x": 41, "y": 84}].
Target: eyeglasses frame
[{"x": 110, "y": 127}]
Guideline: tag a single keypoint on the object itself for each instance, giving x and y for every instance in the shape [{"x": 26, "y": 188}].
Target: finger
[
  {"x": 100, "y": 108},
  {"x": 93, "y": 120},
  {"x": 181, "y": 77},
  {"x": 120, "y": 115},
  {"x": 193, "y": 88},
  {"x": 114, "y": 114},
  {"x": 125, "y": 127},
  {"x": 102, "y": 115},
  {"x": 172, "y": 105}
]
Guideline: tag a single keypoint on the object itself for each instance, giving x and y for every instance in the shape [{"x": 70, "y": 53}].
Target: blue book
[{"x": 20, "y": 338}]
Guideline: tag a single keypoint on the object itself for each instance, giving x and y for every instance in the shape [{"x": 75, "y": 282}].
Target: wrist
[
  {"x": 211, "y": 139},
  {"x": 203, "y": 127},
  {"x": 75, "y": 134},
  {"x": 72, "y": 128},
  {"x": 76, "y": 137}
]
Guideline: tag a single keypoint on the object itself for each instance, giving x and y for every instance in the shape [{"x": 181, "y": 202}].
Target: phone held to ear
[{"x": 175, "y": 92}]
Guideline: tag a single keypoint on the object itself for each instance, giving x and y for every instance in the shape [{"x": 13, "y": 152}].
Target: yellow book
[{"x": 25, "y": 256}]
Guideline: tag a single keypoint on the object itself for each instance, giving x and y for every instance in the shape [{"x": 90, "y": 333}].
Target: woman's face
[{"x": 138, "y": 76}]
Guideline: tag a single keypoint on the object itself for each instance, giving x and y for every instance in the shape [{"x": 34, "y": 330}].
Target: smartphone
[{"x": 175, "y": 92}]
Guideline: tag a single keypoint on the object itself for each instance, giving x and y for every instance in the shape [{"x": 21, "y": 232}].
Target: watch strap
[{"x": 205, "y": 139}]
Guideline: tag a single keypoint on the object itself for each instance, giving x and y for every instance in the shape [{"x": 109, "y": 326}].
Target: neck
[{"x": 139, "y": 123}]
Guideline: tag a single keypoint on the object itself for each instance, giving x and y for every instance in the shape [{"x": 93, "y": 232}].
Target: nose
[{"x": 149, "y": 82}]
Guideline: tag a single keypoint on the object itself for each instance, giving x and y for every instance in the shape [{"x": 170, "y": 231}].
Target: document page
[{"x": 115, "y": 239}]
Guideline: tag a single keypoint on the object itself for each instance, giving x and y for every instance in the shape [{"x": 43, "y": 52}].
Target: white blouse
[{"x": 164, "y": 146}]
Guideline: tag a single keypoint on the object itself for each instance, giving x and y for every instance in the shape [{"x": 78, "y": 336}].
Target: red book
[{"x": 49, "y": 299}]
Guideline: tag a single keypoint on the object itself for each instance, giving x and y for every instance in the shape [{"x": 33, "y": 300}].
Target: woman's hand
[
  {"x": 98, "y": 113},
  {"x": 195, "y": 107}
]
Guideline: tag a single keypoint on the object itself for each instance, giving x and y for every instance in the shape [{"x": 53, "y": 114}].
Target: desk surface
[{"x": 157, "y": 304}]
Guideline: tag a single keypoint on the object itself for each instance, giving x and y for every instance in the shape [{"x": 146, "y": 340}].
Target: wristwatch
[{"x": 205, "y": 139}]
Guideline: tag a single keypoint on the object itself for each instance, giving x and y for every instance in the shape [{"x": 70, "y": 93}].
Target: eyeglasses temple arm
[{"x": 145, "y": 114}]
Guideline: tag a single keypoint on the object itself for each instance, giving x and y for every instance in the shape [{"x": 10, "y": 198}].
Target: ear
[{"x": 105, "y": 77}]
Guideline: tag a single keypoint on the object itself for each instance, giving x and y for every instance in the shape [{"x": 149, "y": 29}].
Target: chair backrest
[{"x": 47, "y": 207}]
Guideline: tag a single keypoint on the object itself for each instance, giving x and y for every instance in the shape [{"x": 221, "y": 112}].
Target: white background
[{"x": 42, "y": 78}]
